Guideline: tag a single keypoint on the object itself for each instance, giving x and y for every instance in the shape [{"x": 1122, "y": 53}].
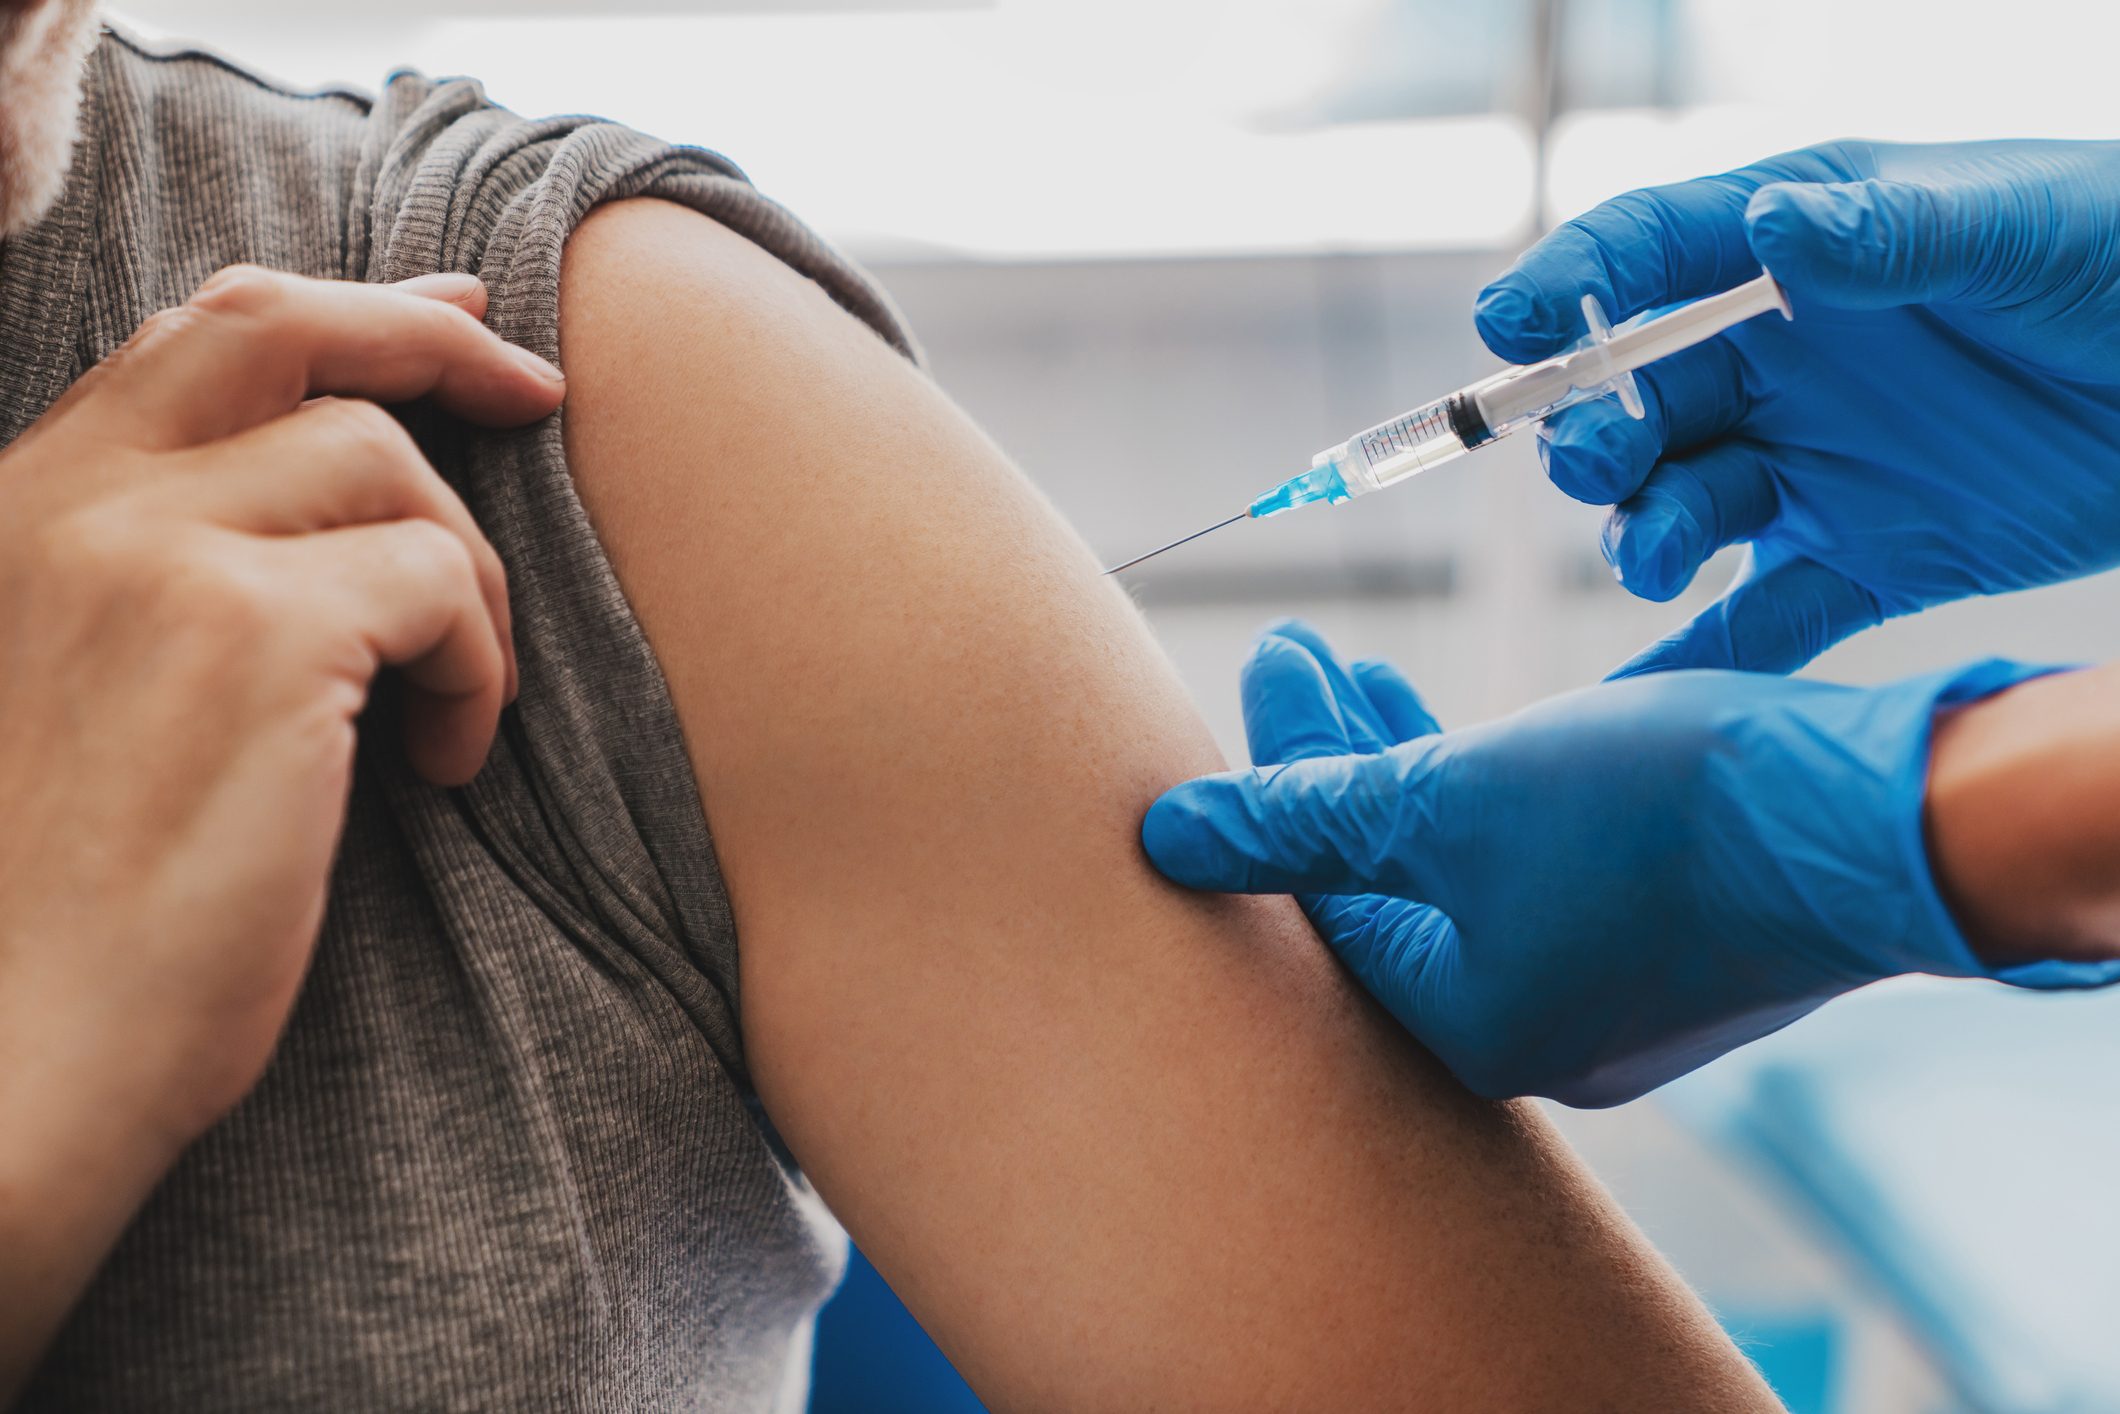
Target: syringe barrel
[
  {"x": 1441, "y": 431},
  {"x": 1518, "y": 396},
  {"x": 1408, "y": 444}
]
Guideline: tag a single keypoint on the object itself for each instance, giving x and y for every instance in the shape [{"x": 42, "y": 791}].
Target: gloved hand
[
  {"x": 1942, "y": 419},
  {"x": 1599, "y": 894}
]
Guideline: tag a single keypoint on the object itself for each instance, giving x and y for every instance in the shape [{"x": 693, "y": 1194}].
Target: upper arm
[{"x": 1117, "y": 1145}]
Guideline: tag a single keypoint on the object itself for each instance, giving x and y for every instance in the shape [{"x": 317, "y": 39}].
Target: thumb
[
  {"x": 1773, "y": 621},
  {"x": 1328, "y": 825},
  {"x": 1878, "y": 244}
]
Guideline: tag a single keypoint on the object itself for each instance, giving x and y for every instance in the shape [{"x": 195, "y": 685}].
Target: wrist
[
  {"x": 86, "y": 1140},
  {"x": 96, "y": 1093},
  {"x": 2022, "y": 820}
]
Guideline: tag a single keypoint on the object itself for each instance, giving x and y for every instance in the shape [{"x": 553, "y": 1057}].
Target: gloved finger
[
  {"x": 1399, "y": 709},
  {"x": 1365, "y": 729},
  {"x": 1289, "y": 708},
  {"x": 1403, "y": 953},
  {"x": 1771, "y": 622},
  {"x": 1639, "y": 250},
  {"x": 1596, "y": 452},
  {"x": 1879, "y": 244},
  {"x": 1689, "y": 508},
  {"x": 1646, "y": 248},
  {"x": 1332, "y": 824}
]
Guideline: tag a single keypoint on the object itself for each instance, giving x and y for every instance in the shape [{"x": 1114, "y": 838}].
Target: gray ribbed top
[{"x": 507, "y": 1156}]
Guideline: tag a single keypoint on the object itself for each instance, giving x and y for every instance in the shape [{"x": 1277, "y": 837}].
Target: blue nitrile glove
[
  {"x": 1942, "y": 419},
  {"x": 1625, "y": 882}
]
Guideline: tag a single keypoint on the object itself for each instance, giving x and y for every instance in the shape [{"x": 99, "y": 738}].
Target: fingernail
[
  {"x": 543, "y": 368},
  {"x": 449, "y": 286}
]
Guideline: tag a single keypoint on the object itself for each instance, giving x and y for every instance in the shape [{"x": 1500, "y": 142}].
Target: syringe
[{"x": 1602, "y": 361}]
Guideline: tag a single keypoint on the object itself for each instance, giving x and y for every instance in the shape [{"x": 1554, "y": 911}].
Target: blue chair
[
  {"x": 1961, "y": 1143},
  {"x": 872, "y": 1357}
]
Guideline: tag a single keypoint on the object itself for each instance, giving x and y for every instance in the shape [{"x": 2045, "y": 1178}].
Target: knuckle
[
  {"x": 452, "y": 332},
  {"x": 370, "y": 431},
  {"x": 214, "y": 590},
  {"x": 451, "y": 320},
  {"x": 86, "y": 546},
  {"x": 163, "y": 320},
  {"x": 157, "y": 328},
  {"x": 435, "y": 549},
  {"x": 424, "y": 321},
  {"x": 187, "y": 585},
  {"x": 241, "y": 290},
  {"x": 490, "y": 566}
]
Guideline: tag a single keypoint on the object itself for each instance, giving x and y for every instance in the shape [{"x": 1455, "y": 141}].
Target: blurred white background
[{"x": 1165, "y": 249}]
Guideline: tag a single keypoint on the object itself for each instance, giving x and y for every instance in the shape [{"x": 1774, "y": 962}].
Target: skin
[
  {"x": 41, "y": 46},
  {"x": 2023, "y": 835},
  {"x": 203, "y": 589},
  {"x": 1117, "y": 1145}
]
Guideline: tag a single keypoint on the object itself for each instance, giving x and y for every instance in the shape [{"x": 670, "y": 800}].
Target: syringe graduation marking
[{"x": 1403, "y": 434}]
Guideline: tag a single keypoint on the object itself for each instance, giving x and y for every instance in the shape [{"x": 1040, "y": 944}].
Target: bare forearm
[
  {"x": 2023, "y": 819},
  {"x": 80, "y": 1149}
]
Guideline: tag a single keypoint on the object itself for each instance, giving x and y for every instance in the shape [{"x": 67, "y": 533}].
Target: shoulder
[
  {"x": 694, "y": 263},
  {"x": 667, "y": 283},
  {"x": 464, "y": 185},
  {"x": 697, "y": 359},
  {"x": 427, "y": 174}
]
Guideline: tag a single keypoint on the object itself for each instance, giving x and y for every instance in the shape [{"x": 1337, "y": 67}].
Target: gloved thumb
[
  {"x": 1772, "y": 621},
  {"x": 1878, "y": 244},
  {"x": 1328, "y": 825}
]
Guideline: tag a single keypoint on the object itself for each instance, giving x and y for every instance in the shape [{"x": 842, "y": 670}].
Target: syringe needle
[{"x": 1240, "y": 515}]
